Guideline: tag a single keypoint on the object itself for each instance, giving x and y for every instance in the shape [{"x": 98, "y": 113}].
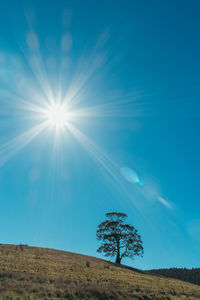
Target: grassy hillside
[
  {"x": 37, "y": 273},
  {"x": 189, "y": 275}
]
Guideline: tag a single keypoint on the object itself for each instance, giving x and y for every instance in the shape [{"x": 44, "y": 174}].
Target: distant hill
[
  {"x": 36, "y": 273},
  {"x": 189, "y": 275}
]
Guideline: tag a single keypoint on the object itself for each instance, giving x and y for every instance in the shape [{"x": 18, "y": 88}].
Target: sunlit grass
[{"x": 48, "y": 274}]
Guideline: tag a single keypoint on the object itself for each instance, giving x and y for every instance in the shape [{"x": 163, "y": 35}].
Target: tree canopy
[{"x": 118, "y": 239}]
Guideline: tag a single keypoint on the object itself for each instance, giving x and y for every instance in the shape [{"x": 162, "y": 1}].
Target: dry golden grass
[{"x": 37, "y": 273}]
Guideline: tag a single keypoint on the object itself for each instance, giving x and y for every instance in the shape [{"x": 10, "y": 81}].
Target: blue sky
[{"x": 129, "y": 74}]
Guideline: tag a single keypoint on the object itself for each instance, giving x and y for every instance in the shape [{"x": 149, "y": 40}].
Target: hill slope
[
  {"x": 37, "y": 273},
  {"x": 189, "y": 275}
]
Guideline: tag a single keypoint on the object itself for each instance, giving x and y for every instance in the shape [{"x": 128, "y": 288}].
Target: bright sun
[{"x": 57, "y": 116}]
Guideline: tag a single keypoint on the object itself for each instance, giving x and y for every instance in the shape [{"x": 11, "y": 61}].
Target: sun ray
[
  {"x": 122, "y": 109},
  {"x": 33, "y": 58},
  {"x": 106, "y": 164},
  {"x": 9, "y": 149}
]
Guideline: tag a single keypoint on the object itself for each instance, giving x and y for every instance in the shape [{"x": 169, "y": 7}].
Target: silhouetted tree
[{"x": 118, "y": 239}]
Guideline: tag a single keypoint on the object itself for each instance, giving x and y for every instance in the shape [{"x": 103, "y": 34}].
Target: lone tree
[{"x": 118, "y": 239}]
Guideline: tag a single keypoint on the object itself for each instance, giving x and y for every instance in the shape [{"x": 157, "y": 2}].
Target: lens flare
[{"x": 130, "y": 175}]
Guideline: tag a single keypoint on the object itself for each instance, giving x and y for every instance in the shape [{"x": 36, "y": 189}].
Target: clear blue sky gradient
[{"x": 139, "y": 67}]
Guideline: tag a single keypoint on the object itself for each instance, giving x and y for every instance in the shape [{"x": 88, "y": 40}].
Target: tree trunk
[{"x": 118, "y": 258}]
